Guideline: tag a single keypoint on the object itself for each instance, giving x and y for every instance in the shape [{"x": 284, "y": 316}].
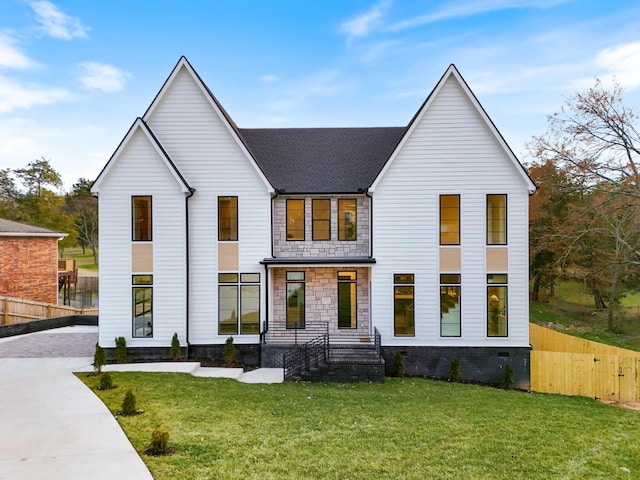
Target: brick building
[{"x": 29, "y": 262}]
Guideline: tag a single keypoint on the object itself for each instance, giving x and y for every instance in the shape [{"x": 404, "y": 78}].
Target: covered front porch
[{"x": 307, "y": 301}]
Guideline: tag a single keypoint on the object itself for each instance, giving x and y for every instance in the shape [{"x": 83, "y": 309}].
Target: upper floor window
[
  {"x": 295, "y": 219},
  {"x": 321, "y": 213},
  {"x": 227, "y": 219},
  {"x": 496, "y": 219},
  {"x": 141, "y": 219},
  {"x": 346, "y": 219},
  {"x": 449, "y": 219}
]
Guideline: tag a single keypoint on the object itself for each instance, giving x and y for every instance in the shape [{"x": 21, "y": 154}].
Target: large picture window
[
  {"x": 321, "y": 213},
  {"x": 227, "y": 219},
  {"x": 347, "y": 301},
  {"x": 141, "y": 230},
  {"x": 238, "y": 303},
  {"x": 295, "y": 219},
  {"x": 403, "y": 305},
  {"x": 449, "y": 219},
  {"x": 295, "y": 300},
  {"x": 497, "y": 303},
  {"x": 142, "y": 293},
  {"x": 347, "y": 219},
  {"x": 450, "y": 314},
  {"x": 496, "y": 219}
]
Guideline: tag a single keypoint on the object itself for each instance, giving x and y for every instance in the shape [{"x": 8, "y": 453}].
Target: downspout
[
  {"x": 366, "y": 192},
  {"x": 186, "y": 218},
  {"x": 266, "y": 272}
]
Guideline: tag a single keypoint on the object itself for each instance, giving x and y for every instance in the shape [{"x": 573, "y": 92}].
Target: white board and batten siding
[
  {"x": 139, "y": 170},
  {"x": 449, "y": 150},
  {"x": 206, "y": 151}
]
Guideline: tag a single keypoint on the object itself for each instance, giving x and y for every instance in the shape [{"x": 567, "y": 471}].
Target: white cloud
[
  {"x": 323, "y": 83},
  {"x": 57, "y": 24},
  {"x": 468, "y": 9},
  {"x": 99, "y": 76},
  {"x": 15, "y": 95},
  {"x": 623, "y": 63},
  {"x": 11, "y": 56},
  {"x": 269, "y": 78},
  {"x": 361, "y": 25}
]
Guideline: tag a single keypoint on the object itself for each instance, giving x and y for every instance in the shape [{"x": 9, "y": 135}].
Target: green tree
[
  {"x": 594, "y": 139},
  {"x": 9, "y": 196},
  {"x": 84, "y": 208},
  {"x": 40, "y": 205}
]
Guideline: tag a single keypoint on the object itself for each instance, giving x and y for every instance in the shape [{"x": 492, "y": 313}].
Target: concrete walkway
[{"x": 53, "y": 427}]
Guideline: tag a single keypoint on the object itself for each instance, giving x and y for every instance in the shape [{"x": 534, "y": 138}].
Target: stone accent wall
[
  {"x": 29, "y": 268},
  {"x": 321, "y": 299},
  {"x": 477, "y": 364},
  {"x": 318, "y": 249}
]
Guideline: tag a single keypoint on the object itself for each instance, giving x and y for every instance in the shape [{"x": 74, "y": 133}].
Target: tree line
[
  {"x": 585, "y": 217},
  {"x": 31, "y": 195}
]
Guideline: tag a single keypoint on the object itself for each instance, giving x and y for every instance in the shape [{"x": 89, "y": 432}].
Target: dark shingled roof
[
  {"x": 11, "y": 228},
  {"x": 321, "y": 160}
]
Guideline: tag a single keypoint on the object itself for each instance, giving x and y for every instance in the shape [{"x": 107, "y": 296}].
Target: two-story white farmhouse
[{"x": 410, "y": 239}]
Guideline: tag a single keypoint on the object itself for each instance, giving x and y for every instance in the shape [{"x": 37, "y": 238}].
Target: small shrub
[
  {"x": 99, "y": 359},
  {"x": 121, "y": 350},
  {"x": 398, "y": 364},
  {"x": 129, "y": 404},
  {"x": 455, "y": 374},
  {"x": 229, "y": 351},
  {"x": 175, "y": 350},
  {"x": 106, "y": 382},
  {"x": 159, "y": 442},
  {"x": 508, "y": 378}
]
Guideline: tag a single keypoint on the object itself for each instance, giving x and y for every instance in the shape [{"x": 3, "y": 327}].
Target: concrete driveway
[{"x": 52, "y": 426}]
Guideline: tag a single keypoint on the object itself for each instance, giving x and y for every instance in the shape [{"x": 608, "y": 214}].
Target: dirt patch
[{"x": 628, "y": 405}]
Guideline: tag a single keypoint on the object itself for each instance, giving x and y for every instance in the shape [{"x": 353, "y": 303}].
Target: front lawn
[{"x": 404, "y": 428}]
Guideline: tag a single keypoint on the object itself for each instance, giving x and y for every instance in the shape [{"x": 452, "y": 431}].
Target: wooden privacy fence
[
  {"x": 16, "y": 310},
  {"x": 573, "y": 366}
]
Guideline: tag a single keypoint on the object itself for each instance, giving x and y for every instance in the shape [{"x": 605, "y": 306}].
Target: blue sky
[{"x": 74, "y": 74}]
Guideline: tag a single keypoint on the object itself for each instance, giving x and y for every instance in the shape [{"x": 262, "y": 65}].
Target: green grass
[
  {"x": 571, "y": 311},
  {"x": 404, "y": 428},
  {"x": 83, "y": 260}
]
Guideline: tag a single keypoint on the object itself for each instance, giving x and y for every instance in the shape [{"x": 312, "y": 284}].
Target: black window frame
[
  {"x": 353, "y": 284},
  {"x": 400, "y": 282},
  {"x": 441, "y": 222},
  {"x": 141, "y": 284},
  {"x": 446, "y": 284},
  {"x": 317, "y": 221},
  {"x": 342, "y": 220},
  {"x": 298, "y": 325},
  {"x": 494, "y": 312},
  {"x": 136, "y": 231},
  {"x": 489, "y": 231},
  {"x": 230, "y": 233},
  {"x": 289, "y": 231}
]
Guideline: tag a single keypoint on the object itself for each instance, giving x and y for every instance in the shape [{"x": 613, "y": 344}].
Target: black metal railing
[{"x": 320, "y": 351}]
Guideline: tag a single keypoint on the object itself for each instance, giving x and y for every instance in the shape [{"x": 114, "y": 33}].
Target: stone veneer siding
[
  {"x": 29, "y": 268},
  {"x": 328, "y": 248},
  {"x": 321, "y": 299}
]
